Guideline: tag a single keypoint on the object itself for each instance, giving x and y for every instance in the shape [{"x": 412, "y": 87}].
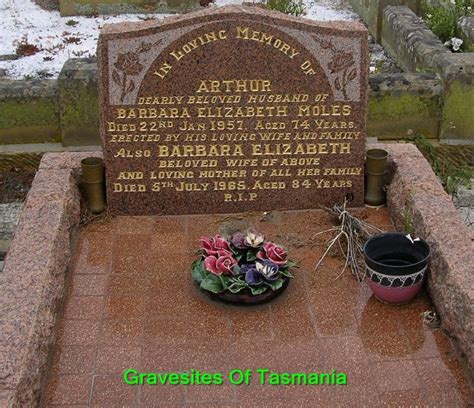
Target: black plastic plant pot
[
  {"x": 393, "y": 253},
  {"x": 396, "y": 266}
]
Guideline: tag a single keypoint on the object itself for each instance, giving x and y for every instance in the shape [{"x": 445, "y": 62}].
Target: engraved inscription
[{"x": 234, "y": 115}]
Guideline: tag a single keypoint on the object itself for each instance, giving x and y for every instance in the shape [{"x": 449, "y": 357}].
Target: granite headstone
[{"x": 233, "y": 109}]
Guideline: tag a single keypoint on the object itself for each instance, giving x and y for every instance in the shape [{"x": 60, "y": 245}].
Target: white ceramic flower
[{"x": 254, "y": 239}]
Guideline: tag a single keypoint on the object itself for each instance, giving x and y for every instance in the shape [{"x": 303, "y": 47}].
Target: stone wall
[
  {"x": 92, "y": 7},
  {"x": 371, "y": 12},
  {"x": 29, "y": 111},
  {"x": 416, "y": 49},
  {"x": 409, "y": 41},
  {"x": 78, "y": 102},
  {"x": 404, "y": 35},
  {"x": 48, "y": 4},
  {"x": 403, "y": 105},
  {"x": 466, "y": 29}
]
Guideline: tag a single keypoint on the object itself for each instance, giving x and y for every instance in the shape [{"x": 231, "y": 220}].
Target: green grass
[{"x": 293, "y": 7}]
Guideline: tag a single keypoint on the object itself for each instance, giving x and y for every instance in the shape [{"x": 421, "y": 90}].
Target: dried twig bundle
[{"x": 350, "y": 235}]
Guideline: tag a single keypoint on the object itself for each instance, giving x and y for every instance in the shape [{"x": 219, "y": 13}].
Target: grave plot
[{"x": 212, "y": 122}]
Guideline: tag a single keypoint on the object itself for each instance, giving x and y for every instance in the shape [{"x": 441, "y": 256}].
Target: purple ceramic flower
[
  {"x": 253, "y": 277},
  {"x": 259, "y": 272},
  {"x": 268, "y": 269},
  {"x": 238, "y": 240}
]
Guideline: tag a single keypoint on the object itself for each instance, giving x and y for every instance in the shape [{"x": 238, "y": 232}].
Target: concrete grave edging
[
  {"x": 32, "y": 285},
  {"x": 405, "y": 36}
]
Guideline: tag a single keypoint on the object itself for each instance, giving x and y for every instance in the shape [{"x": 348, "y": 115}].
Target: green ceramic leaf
[
  {"x": 277, "y": 284},
  {"x": 236, "y": 269},
  {"x": 212, "y": 283},
  {"x": 291, "y": 264},
  {"x": 256, "y": 290},
  {"x": 236, "y": 287},
  {"x": 251, "y": 256},
  {"x": 225, "y": 280},
  {"x": 198, "y": 271},
  {"x": 286, "y": 272}
]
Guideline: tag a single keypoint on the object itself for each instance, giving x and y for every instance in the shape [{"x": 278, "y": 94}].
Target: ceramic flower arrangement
[{"x": 242, "y": 263}]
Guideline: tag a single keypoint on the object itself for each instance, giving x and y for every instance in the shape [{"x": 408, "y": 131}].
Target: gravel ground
[{"x": 14, "y": 185}]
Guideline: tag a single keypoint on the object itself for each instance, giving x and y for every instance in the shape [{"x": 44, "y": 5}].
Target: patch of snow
[
  {"x": 60, "y": 38},
  {"x": 328, "y": 11}
]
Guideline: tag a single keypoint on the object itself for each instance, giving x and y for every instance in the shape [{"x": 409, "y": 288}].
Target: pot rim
[
  {"x": 376, "y": 154},
  {"x": 397, "y": 234},
  {"x": 92, "y": 161}
]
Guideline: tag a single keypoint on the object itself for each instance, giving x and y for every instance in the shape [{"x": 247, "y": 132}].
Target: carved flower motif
[
  {"x": 129, "y": 63},
  {"x": 341, "y": 61}
]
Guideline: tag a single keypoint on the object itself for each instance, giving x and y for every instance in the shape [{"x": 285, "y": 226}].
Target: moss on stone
[
  {"x": 391, "y": 106},
  {"x": 29, "y": 121},
  {"x": 393, "y": 116},
  {"x": 78, "y": 98},
  {"x": 458, "y": 117},
  {"x": 83, "y": 110},
  {"x": 80, "y": 117},
  {"x": 28, "y": 112},
  {"x": 91, "y": 7}
]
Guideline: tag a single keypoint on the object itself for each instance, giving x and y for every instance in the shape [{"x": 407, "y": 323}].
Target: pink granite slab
[{"x": 32, "y": 282}]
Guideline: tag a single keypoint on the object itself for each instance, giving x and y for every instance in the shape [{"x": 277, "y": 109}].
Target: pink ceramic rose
[
  {"x": 220, "y": 264},
  {"x": 274, "y": 253},
  {"x": 213, "y": 245}
]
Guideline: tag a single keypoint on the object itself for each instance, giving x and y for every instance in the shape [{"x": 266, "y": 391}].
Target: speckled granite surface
[
  {"x": 32, "y": 282},
  {"x": 246, "y": 53},
  {"x": 132, "y": 304}
]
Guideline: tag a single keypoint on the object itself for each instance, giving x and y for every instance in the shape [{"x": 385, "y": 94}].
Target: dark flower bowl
[
  {"x": 245, "y": 297},
  {"x": 244, "y": 269}
]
